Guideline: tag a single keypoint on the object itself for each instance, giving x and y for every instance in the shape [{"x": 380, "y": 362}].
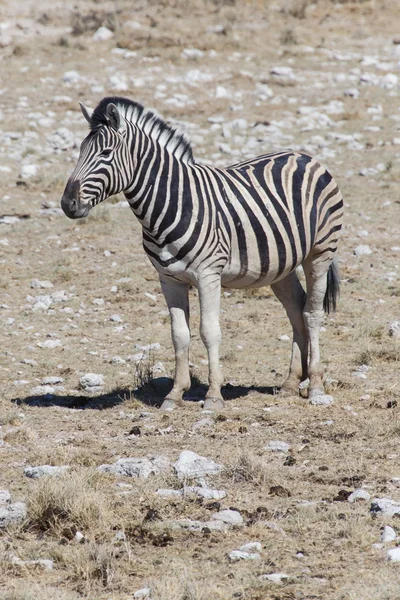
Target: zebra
[{"x": 248, "y": 225}]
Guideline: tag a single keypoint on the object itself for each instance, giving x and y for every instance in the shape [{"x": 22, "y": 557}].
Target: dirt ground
[{"x": 214, "y": 69}]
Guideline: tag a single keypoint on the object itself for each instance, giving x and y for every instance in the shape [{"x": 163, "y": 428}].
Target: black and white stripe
[{"x": 247, "y": 225}]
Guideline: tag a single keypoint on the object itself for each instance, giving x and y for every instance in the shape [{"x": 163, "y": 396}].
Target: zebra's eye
[{"x": 106, "y": 152}]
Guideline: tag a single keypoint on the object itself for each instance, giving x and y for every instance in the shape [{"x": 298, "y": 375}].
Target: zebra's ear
[
  {"x": 114, "y": 118},
  {"x": 87, "y": 112}
]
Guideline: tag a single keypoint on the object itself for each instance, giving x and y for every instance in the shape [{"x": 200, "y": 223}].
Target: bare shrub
[{"x": 76, "y": 499}]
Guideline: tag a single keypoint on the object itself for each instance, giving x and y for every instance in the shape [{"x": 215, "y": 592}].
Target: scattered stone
[
  {"x": 169, "y": 493},
  {"x": 142, "y": 593},
  {"x": 251, "y": 546},
  {"x": 229, "y": 517},
  {"x": 394, "y": 329},
  {"x": 47, "y": 564},
  {"x": 50, "y": 344},
  {"x": 192, "y": 53},
  {"x": 12, "y": 513},
  {"x": 321, "y": 400},
  {"x": 204, "y": 492},
  {"x": 149, "y": 347},
  {"x": 116, "y": 318},
  {"x": 388, "y": 534},
  {"x": 71, "y": 77},
  {"x": 37, "y": 284},
  {"x": 393, "y": 555},
  {"x": 362, "y": 250},
  {"x": 137, "y": 467},
  {"x": 52, "y": 380},
  {"x": 284, "y": 338},
  {"x": 45, "y": 471},
  {"x": 385, "y": 506},
  {"x": 102, "y": 34},
  {"x": 359, "y": 495},
  {"x": 79, "y": 537},
  {"x": 275, "y": 577},
  {"x": 91, "y": 380},
  {"x": 190, "y": 466},
  {"x": 278, "y": 446},
  {"x": 5, "y": 497},
  {"x": 237, "y": 555},
  {"x": 61, "y": 139},
  {"x": 28, "y": 171}
]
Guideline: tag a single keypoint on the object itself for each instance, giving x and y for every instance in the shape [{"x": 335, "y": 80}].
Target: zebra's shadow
[{"x": 151, "y": 394}]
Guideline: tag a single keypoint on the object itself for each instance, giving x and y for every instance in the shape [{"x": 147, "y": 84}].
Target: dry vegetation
[{"x": 294, "y": 504}]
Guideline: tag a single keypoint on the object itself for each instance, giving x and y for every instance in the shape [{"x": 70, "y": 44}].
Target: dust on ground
[{"x": 241, "y": 79}]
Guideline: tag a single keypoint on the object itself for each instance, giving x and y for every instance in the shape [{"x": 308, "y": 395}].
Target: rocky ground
[{"x": 101, "y": 495}]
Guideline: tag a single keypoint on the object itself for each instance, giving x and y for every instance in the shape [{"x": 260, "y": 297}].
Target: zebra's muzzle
[{"x": 71, "y": 204}]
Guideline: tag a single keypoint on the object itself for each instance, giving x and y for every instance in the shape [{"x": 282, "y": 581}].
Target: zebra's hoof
[
  {"x": 213, "y": 404},
  {"x": 169, "y": 404}
]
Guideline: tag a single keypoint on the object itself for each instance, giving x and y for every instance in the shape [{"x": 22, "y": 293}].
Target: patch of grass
[
  {"x": 246, "y": 467},
  {"x": 10, "y": 418},
  {"x": 143, "y": 374},
  {"x": 77, "y": 499}
]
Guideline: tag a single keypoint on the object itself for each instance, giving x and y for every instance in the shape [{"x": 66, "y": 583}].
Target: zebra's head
[{"x": 104, "y": 165}]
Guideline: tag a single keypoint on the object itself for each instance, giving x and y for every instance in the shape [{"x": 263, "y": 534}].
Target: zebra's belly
[{"x": 233, "y": 276}]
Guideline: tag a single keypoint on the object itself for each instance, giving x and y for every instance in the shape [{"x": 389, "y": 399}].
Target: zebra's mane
[{"x": 148, "y": 121}]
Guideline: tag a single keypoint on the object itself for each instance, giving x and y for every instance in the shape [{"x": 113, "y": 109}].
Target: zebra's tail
[{"x": 332, "y": 289}]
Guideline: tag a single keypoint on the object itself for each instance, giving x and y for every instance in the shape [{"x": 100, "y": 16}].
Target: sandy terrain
[{"x": 241, "y": 78}]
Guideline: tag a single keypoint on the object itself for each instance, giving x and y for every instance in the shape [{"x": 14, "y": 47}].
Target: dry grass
[{"x": 75, "y": 500}]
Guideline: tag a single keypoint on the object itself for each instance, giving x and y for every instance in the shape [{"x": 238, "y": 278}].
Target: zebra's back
[{"x": 273, "y": 212}]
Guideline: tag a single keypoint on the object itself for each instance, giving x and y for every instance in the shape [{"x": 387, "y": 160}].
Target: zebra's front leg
[
  {"x": 210, "y": 296},
  {"x": 177, "y": 298}
]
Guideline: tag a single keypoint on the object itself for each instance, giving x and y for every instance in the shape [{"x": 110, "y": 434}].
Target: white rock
[
  {"x": 52, "y": 380},
  {"x": 61, "y": 139},
  {"x": 116, "y": 318},
  {"x": 12, "y": 513},
  {"x": 222, "y": 92},
  {"x": 230, "y": 517},
  {"x": 394, "y": 329},
  {"x": 117, "y": 360},
  {"x": 282, "y": 71},
  {"x": 42, "y": 390},
  {"x": 321, "y": 400},
  {"x": 142, "y": 593},
  {"x": 45, "y": 470},
  {"x": 91, "y": 380},
  {"x": 50, "y": 344},
  {"x": 37, "y": 284},
  {"x": 79, "y": 537},
  {"x": 237, "y": 555},
  {"x": 358, "y": 495},
  {"x": 5, "y": 497},
  {"x": 102, "y": 34},
  {"x": 28, "y": 171},
  {"x": 284, "y": 338},
  {"x": 192, "y": 53},
  {"x": 137, "y": 467},
  {"x": 155, "y": 346},
  {"x": 71, "y": 77},
  {"x": 205, "y": 492},
  {"x": 46, "y": 563},
  {"x": 119, "y": 82},
  {"x": 386, "y": 506},
  {"x": 393, "y": 554},
  {"x": 275, "y": 577},
  {"x": 278, "y": 446},
  {"x": 362, "y": 250},
  {"x": 190, "y": 465},
  {"x": 388, "y": 534},
  {"x": 169, "y": 493},
  {"x": 251, "y": 546}
]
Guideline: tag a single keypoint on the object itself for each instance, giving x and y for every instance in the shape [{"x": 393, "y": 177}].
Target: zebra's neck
[{"x": 155, "y": 192}]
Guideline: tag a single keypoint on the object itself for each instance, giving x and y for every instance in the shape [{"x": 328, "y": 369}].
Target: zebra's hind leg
[
  {"x": 177, "y": 298},
  {"x": 290, "y": 293},
  {"x": 210, "y": 297},
  {"x": 315, "y": 270}
]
